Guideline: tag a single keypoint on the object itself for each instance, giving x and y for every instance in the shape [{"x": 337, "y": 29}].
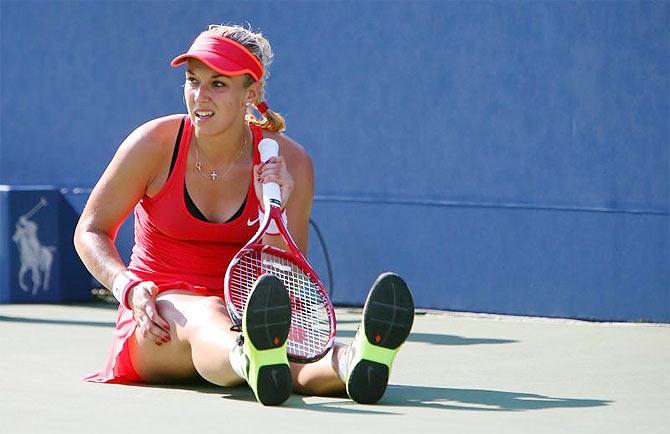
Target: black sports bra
[{"x": 190, "y": 205}]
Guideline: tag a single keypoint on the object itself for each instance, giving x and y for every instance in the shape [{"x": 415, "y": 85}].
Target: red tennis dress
[{"x": 177, "y": 250}]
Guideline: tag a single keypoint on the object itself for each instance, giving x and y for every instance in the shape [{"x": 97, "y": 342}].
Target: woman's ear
[{"x": 253, "y": 93}]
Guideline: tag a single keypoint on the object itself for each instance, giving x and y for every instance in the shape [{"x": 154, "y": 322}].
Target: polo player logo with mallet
[{"x": 34, "y": 256}]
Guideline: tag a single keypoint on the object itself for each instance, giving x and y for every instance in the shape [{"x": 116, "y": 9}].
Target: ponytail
[{"x": 270, "y": 120}]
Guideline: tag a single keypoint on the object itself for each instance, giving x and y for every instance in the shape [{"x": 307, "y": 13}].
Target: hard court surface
[{"x": 458, "y": 373}]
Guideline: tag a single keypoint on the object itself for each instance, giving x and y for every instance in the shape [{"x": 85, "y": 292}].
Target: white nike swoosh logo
[{"x": 251, "y": 222}]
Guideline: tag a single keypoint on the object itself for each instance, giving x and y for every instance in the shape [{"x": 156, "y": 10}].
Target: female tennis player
[{"x": 194, "y": 182}]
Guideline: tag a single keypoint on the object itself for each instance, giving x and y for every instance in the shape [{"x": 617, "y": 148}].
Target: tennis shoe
[
  {"x": 265, "y": 326},
  {"x": 388, "y": 316}
]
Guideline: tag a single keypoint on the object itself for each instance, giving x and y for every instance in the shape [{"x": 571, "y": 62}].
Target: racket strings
[{"x": 310, "y": 321}]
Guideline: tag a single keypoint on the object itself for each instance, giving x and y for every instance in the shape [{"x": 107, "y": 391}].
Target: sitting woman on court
[{"x": 194, "y": 183}]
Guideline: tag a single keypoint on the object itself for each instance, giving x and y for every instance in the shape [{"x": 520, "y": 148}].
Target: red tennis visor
[{"x": 223, "y": 55}]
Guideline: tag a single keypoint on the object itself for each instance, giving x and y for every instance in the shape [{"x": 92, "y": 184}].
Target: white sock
[
  {"x": 342, "y": 365},
  {"x": 238, "y": 361}
]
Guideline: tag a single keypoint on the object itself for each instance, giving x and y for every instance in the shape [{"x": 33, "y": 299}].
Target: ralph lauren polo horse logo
[{"x": 34, "y": 256}]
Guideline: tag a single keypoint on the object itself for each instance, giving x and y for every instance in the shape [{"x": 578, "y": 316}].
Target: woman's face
[{"x": 215, "y": 102}]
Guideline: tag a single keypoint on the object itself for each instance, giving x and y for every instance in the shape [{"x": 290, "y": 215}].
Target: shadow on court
[
  {"x": 428, "y": 338},
  {"x": 479, "y": 399},
  {"x": 441, "y": 398},
  {"x": 438, "y": 339},
  {"x": 56, "y": 321},
  {"x": 295, "y": 401}
]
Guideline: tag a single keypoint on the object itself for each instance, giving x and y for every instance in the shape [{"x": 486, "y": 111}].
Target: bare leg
[
  {"x": 319, "y": 378},
  {"x": 200, "y": 342},
  {"x": 211, "y": 340},
  {"x": 388, "y": 315},
  {"x": 200, "y": 346}
]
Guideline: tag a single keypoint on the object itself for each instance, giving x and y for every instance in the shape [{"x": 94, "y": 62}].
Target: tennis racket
[{"x": 312, "y": 330}]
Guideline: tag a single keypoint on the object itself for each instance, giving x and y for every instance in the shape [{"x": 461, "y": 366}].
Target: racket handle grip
[
  {"x": 270, "y": 148},
  {"x": 272, "y": 193}
]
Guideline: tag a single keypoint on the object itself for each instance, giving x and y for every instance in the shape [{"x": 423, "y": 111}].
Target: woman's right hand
[{"x": 150, "y": 323}]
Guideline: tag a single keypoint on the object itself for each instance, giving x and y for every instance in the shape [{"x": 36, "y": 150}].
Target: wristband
[
  {"x": 123, "y": 283},
  {"x": 272, "y": 227}
]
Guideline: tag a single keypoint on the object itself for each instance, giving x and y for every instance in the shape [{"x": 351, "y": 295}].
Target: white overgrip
[{"x": 270, "y": 148}]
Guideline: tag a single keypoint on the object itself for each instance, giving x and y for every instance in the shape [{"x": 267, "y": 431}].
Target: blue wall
[{"x": 505, "y": 157}]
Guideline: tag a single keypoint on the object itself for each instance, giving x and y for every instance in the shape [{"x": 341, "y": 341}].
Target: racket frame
[{"x": 272, "y": 202}]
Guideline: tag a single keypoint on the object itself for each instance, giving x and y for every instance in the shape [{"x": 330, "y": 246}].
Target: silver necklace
[{"x": 213, "y": 175}]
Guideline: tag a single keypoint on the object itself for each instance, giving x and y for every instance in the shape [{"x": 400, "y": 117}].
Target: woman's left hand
[{"x": 273, "y": 170}]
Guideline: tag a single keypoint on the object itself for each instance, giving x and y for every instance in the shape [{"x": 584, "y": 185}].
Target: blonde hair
[{"x": 260, "y": 47}]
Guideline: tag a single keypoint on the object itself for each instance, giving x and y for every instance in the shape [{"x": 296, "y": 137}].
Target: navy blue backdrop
[{"x": 505, "y": 157}]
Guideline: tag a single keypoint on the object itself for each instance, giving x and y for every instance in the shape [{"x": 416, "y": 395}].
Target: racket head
[{"x": 312, "y": 331}]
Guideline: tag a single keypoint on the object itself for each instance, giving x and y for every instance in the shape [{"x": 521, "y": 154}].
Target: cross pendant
[{"x": 214, "y": 175}]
